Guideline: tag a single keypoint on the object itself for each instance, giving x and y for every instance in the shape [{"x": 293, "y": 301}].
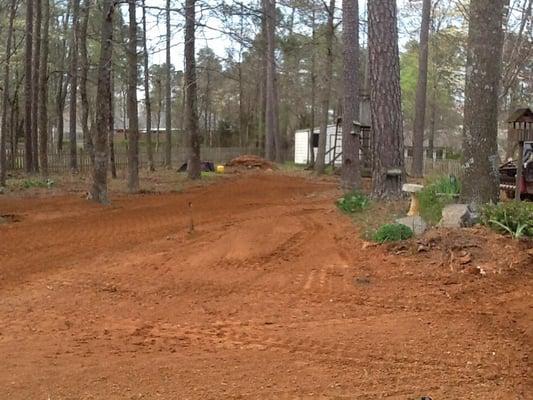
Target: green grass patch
[
  {"x": 378, "y": 213},
  {"x": 438, "y": 193},
  {"x": 353, "y": 202},
  {"x": 392, "y": 233},
  {"x": 37, "y": 183},
  {"x": 513, "y": 217}
]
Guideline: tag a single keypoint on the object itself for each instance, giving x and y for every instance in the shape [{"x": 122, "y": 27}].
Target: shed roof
[{"x": 521, "y": 115}]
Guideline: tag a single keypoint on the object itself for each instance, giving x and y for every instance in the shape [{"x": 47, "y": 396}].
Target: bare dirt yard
[{"x": 273, "y": 296}]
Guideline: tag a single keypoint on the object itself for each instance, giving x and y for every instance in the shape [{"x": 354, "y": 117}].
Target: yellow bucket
[{"x": 220, "y": 169}]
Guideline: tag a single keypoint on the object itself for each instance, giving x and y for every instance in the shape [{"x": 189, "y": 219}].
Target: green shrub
[
  {"x": 437, "y": 194},
  {"x": 392, "y": 233},
  {"x": 353, "y": 202},
  {"x": 37, "y": 183},
  {"x": 513, "y": 217}
]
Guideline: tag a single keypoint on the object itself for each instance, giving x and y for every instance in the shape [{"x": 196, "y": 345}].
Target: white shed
[{"x": 302, "y": 149}]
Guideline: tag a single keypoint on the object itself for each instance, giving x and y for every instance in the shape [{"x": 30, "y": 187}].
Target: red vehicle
[{"x": 508, "y": 173}]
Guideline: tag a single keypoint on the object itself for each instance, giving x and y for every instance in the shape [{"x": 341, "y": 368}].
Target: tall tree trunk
[
  {"x": 159, "y": 107},
  {"x": 35, "y": 85},
  {"x": 111, "y": 122},
  {"x": 133, "y": 116},
  {"x": 433, "y": 118},
  {"x": 147, "y": 102},
  {"x": 311, "y": 159},
  {"x": 271, "y": 116},
  {"x": 62, "y": 85},
  {"x": 28, "y": 68},
  {"x": 73, "y": 163},
  {"x": 320, "y": 162},
  {"x": 262, "y": 84},
  {"x": 5, "y": 95},
  {"x": 84, "y": 70},
  {"x": 168, "y": 99},
  {"x": 483, "y": 68},
  {"x": 193, "y": 163},
  {"x": 385, "y": 99},
  {"x": 103, "y": 94},
  {"x": 351, "y": 172},
  {"x": 421, "y": 93},
  {"x": 43, "y": 92},
  {"x": 243, "y": 139}
]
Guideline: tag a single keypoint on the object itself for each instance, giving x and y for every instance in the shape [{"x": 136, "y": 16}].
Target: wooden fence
[
  {"x": 438, "y": 167},
  {"x": 59, "y": 162}
]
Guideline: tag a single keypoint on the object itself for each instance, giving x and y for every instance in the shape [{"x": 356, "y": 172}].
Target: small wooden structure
[{"x": 520, "y": 129}]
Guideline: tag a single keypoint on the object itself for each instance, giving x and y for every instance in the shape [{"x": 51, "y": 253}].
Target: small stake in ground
[{"x": 191, "y": 220}]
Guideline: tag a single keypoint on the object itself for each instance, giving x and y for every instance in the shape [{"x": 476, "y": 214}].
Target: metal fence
[{"x": 59, "y": 162}]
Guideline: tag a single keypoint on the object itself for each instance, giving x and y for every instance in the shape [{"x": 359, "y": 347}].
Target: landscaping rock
[
  {"x": 458, "y": 216},
  {"x": 416, "y": 223}
]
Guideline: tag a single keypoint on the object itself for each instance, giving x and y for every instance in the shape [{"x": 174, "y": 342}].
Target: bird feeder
[{"x": 520, "y": 125}]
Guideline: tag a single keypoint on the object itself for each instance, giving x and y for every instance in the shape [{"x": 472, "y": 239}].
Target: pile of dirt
[
  {"x": 477, "y": 251},
  {"x": 250, "y": 162}
]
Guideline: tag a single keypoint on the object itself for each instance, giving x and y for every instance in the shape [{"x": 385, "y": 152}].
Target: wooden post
[{"x": 519, "y": 169}]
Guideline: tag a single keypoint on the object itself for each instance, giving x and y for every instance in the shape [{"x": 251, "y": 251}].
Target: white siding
[{"x": 301, "y": 147}]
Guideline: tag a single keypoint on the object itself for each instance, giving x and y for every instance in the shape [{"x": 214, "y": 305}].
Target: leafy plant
[
  {"x": 512, "y": 217},
  {"x": 37, "y": 183},
  {"x": 436, "y": 195},
  {"x": 353, "y": 202},
  {"x": 392, "y": 233}
]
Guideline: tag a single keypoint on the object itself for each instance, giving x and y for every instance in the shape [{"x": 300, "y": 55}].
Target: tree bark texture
[
  {"x": 28, "y": 68},
  {"x": 351, "y": 173},
  {"x": 168, "y": 100},
  {"x": 133, "y": 116},
  {"x": 320, "y": 162},
  {"x": 74, "y": 86},
  {"x": 103, "y": 94},
  {"x": 421, "y": 93},
  {"x": 147, "y": 102},
  {"x": 43, "y": 91},
  {"x": 483, "y": 69},
  {"x": 385, "y": 100},
  {"x": 191, "y": 110},
  {"x": 36, "y": 58},
  {"x": 5, "y": 93},
  {"x": 271, "y": 116},
  {"x": 84, "y": 70}
]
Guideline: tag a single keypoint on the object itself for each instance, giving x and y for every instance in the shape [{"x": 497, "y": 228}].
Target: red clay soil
[{"x": 272, "y": 296}]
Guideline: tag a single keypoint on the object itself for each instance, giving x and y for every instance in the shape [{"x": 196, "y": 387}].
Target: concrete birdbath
[{"x": 413, "y": 190}]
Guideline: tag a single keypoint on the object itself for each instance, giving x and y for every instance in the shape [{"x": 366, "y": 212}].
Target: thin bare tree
[
  {"x": 5, "y": 94},
  {"x": 168, "y": 95},
  {"x": 133, "y": 115},
  {"x": 191, "y": 110},
  {"x": 147, "y": 102},
  {"x": 43, "y": 90},
  {"x": 421, "y": 93},
  {"x": 74, "y": 42},
  {"x": 28, "y": 69},
  {"x": 320, "y": 162}
]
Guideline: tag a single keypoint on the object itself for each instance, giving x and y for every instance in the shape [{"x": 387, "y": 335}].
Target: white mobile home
[{"x": 302, "y": 150}]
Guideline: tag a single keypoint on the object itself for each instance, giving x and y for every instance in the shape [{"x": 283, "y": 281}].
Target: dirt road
[{"x": 271, "y": 296}]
